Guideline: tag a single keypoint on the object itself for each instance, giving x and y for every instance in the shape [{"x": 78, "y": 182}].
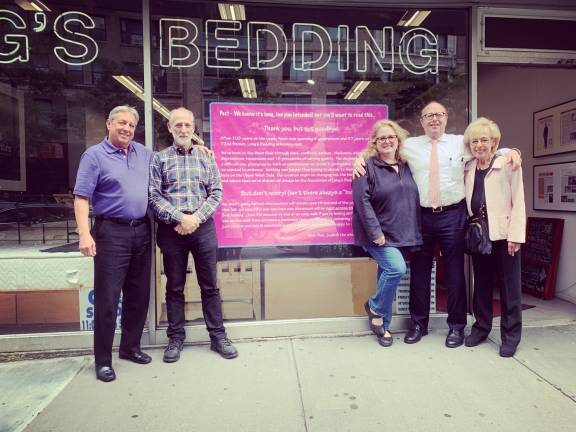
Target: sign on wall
[
  {"x": 182, "y": 44},
  {"x": 555, "y": 186},
  {"x": 555, "y": 130},
  {"x": 86, "y": 300},
  {"x": 286, "y": 171}
]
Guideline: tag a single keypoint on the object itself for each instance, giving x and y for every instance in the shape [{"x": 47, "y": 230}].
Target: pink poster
[{"x": 287, "y": 170}]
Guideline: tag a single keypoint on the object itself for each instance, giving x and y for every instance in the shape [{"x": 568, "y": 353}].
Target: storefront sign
[
  {"x": 286, "y": 171},
  {"x": 180, "y": 38},
  {"x": 313, "y": 47},
  {"x": 402, "y": 300},
  {"x": 86, "y": 299},
  {"x": 75, "y": 47}
]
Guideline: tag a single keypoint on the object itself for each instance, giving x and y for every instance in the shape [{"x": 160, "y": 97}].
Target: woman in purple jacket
[{"x": 386, "y": 219}]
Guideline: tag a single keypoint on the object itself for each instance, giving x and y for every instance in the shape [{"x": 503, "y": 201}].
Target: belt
[
  {"x": 131, "y": 222},
  {"x": 441, "y": 208}
]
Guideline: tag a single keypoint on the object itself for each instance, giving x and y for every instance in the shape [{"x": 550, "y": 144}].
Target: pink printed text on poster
[{"x": 287, "y": 171}]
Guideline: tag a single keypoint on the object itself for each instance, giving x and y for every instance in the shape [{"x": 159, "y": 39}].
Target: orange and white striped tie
[{"x": 434, "y": 179}]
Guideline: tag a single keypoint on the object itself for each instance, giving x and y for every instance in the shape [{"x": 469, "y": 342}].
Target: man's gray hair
[
  {"x": 123, "y": 108},
  {"x": 171, "y": 118}
]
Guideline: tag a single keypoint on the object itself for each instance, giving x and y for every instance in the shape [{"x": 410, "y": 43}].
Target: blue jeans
[{"x": 391, "y": 268}]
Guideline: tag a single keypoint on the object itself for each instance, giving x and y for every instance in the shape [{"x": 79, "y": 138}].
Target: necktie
[{"x": 434, "y": 183}]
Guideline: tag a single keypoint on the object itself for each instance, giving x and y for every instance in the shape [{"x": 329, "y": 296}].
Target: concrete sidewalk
[{"x": 308, "y": 384}]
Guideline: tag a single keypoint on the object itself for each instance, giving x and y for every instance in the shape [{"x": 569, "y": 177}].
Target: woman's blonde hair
[
  {"x": 485, "y": 124},
  {"x": 400, "y": 132}
]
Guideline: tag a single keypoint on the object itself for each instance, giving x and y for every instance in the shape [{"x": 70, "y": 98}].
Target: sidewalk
[{"x": 307, "y": 384}]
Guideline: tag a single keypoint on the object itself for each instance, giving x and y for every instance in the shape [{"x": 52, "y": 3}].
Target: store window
[
  {"x": 292, "y": 257},
  {"x": 131, "y": 31},
  {"x": 74, "y": 74},
  {"x": 55, "y": 94},
  {"x": 298, "y": 75}
]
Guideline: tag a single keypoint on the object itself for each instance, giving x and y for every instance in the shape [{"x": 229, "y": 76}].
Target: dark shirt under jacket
[
  {"x": 478, "y": 197},
  {"x": 386, "y": 202}
]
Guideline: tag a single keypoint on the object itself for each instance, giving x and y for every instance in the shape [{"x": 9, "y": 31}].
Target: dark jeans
[
  {"x": 175, "y": 249},
  {"x": 122, "y": 264},
  {"x": 446, "y": 229},
  {"x": 505, "y": 270}
]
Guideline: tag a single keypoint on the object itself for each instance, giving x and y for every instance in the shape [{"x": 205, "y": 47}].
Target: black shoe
[
  {"x": 386, "y": 341},
  {"x": 172, "y": 351},
  {"x": 507, "y": 350},
  {"x": 105, "y": 373},
  {"x": 378, "y": 330},
  {"x": 136, "y": 356},
  {"x": 455, "y": 338},
  {"x": 224, "y": 347},
  {"x": 415, "y": 334},
  {"x": 474, "y": 339}
]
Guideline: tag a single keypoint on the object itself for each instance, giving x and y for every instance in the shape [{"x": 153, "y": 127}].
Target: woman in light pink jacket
[{"x": 489, "y": 176}]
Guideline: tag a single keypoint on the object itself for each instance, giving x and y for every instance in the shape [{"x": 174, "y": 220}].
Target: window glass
[
  {"x": 310, "y": 70},
  {"x": 55, "y": 94}
]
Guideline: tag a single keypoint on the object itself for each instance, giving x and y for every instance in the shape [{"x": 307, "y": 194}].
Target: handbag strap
[{"x": 483, "y": 213}]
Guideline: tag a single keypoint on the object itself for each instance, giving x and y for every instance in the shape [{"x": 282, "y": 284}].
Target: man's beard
[{"x": 182, "y": 141}]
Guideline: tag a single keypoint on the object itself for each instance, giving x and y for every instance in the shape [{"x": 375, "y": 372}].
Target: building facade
[{"x": 285, "y": 94}]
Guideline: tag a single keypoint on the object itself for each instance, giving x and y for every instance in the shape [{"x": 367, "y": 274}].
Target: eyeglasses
[
  {"x": 385, "y": 138},
  {"x": 483, "y": 141},
  {"x": 430, "y": 116}
]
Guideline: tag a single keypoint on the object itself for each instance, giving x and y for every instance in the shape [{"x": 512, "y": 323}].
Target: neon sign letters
[
  {"x": 77, "y": 47},
  {"x": 179, "y": 46},
  {"x": 266, "y": 44}
]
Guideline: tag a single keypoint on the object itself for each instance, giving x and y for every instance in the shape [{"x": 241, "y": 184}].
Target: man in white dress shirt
[{"x": 442, "y": 221}]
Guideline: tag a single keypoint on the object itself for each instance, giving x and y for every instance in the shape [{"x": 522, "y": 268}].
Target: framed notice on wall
[
  {"x": 555, "y": 130},
  {"x": 555, "y": 187}
]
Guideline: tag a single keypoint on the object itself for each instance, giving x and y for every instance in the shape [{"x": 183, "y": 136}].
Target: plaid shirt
[{"x": 183, "y": 181}]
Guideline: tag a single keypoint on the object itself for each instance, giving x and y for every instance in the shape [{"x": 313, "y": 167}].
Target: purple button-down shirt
[{"x": 115, "y": 182}]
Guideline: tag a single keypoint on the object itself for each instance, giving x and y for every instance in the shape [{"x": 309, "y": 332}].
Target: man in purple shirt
[
  {"x": 113, "y": 175},
  {"x": 185, "y": 190}
]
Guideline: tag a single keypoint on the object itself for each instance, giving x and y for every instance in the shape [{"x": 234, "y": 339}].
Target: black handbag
[{"x": 476, "y": 234}]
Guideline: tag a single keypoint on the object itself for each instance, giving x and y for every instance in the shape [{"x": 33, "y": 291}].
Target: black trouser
[
  {"x": 447, "y": 229},
  {"x": 175, "y": 249},
  {"x": 122, "y": 264},
  {"x": 505, "y": 269}
]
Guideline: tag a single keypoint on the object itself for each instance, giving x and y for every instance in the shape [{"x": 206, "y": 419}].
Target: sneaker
[
  {"x": 224, "y": 347},
  {"x": 172, "y": 351}
]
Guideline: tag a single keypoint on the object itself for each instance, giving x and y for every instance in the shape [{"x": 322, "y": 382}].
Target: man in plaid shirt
[{"x": 185, "y": 191}]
